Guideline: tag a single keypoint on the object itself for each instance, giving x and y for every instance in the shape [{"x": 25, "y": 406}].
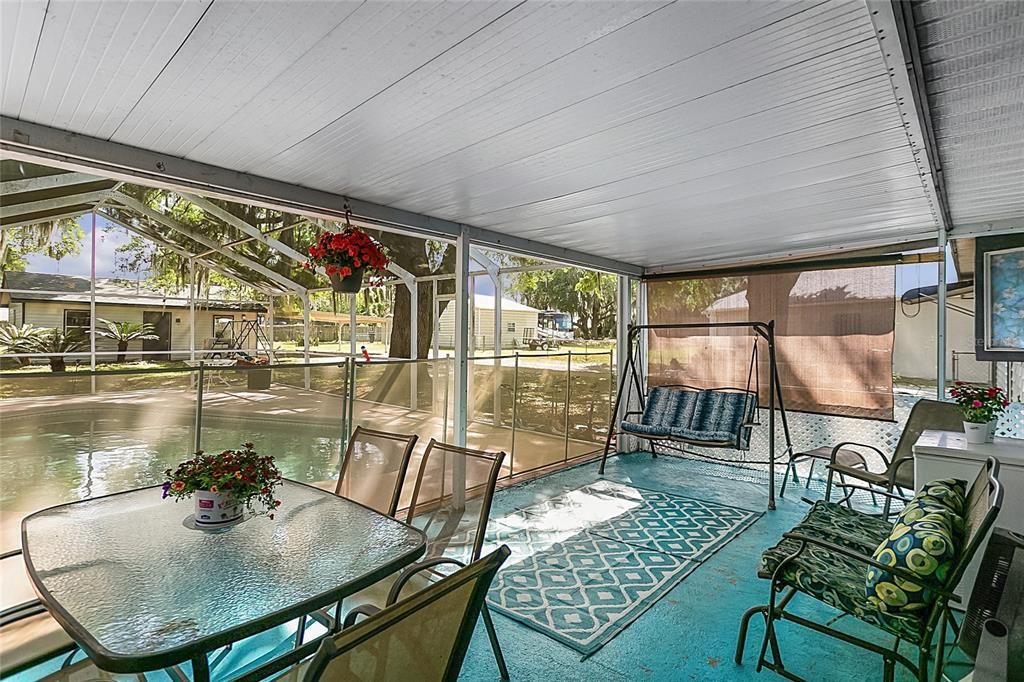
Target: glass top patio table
[{"x": 139, "y": 590}]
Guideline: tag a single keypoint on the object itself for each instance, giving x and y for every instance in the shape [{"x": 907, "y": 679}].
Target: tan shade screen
[{"x": 834, "y": 336}]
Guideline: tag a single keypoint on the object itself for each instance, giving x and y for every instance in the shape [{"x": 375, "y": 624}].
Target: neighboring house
[
  {"x": 33, "y": 301},
  {"x": 517, "y": 320}
]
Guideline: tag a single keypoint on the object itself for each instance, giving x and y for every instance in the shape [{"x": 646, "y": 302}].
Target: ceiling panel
[
  {"x": 973, "y": 57},
  {"x": 659, "y": 133}
]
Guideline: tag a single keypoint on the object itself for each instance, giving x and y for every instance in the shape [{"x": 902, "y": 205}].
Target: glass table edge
[{"x": 129, "y": 663}]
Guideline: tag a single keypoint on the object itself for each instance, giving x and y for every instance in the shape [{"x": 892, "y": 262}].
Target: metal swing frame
[{"x": 633, "y": 376}]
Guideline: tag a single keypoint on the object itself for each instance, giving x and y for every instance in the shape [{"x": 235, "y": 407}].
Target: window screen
[{"x": 834, "y": 332}]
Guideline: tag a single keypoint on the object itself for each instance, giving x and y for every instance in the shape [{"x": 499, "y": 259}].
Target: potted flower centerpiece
[
  {"x": 981, "y": 405},
  {"x": 346, "y": 256},
  {"x": 225, "y": 484}
]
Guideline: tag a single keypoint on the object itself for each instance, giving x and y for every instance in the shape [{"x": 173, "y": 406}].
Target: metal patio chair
[
  {"x": 899, "y": 470},
  {"x": 28, "y": 634},
  {"x": 422, "y": 637},
  {"x": 374, "y": 468},
  {"x": 827, "y": 557},
  {"x": 451, "y": 503}
]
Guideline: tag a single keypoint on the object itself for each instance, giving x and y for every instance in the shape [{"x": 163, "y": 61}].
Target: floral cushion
[
  {"x": 924, "y": 541},
  {"x": 844, "y": 526},
  {"x": 838, "y": 581}
]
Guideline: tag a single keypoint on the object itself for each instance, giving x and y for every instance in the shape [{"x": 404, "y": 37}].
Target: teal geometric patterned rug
[{"x": 583, "y": 587}]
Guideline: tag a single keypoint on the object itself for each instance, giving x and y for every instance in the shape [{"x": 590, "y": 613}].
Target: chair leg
[
  {"x": 810, "y": 474},
  {"x": 300, "y": 632},
  {"x": 940, "y": 650},
  {"x": 741, "y": 640},
  {"x": 922, "y": 664},
  {"x": 493, "y": 636}
]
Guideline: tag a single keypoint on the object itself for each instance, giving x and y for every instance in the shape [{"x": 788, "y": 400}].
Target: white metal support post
[
  {"x": 623, "y": 319},
  {"x": 305, "y": 335},
  {"x": 192, "y": 309},
  {"x": 92, "y": 307},
  {"x": 270, "y": 325},
  {"x": 940, "y": 344},
  {"x": 462, "y": 311},
  {"x": 414, "y": 308}
]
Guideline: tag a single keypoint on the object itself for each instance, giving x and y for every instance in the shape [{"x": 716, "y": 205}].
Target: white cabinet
[{"x": 943, "y": 454}]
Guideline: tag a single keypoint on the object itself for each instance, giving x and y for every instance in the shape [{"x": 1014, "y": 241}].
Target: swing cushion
[
  {"x": 707, "y": 416},
  {"x": 666, "y": 408}
]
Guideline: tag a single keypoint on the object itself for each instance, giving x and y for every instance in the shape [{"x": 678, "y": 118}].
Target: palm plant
[
  {"x": 56, "y": 342},
  {"x": 18, "y": 339},
  {"x": 124, "y": 333}
]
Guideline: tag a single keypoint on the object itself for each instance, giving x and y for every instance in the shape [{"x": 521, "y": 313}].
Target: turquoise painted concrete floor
[{"x": 691, "y": 633}]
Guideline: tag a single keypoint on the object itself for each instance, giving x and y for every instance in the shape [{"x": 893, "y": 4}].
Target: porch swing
[{"x": 679, "y": 417}]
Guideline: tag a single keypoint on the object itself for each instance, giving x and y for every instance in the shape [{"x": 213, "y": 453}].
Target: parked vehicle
[{"x": 553, "y": 329}]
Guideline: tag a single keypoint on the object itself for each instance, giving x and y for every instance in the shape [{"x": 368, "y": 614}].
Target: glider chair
[
  {"x": 451, "y": 503},
  {"x": 422, "y": 637},
  {"x": 374, "y": 468},
  {"x": 28, "y": 634},
  {"x": 899, "y": 578},
  {"x": 898, "y": 475}
]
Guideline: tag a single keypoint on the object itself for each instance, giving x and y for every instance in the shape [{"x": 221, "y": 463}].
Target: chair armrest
[
  {"x": 409, "y": 572},
  {"x": 356, "y": 611},
  {"x": 850, "y": 443},
  {"x": 863, "y": 558}
]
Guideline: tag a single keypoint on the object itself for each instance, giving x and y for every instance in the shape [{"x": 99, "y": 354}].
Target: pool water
[{"x": 67, "y": 456}]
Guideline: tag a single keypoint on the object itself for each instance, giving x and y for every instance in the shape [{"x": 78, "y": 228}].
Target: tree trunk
[
  {"x": 122, "y": 348},
  {"x": 57, "y": 364}
]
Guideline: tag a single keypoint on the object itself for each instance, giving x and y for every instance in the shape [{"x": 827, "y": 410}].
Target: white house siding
[
  {"x": 914, "y": 351},
  {"x": 483, "y": 326},
  {"x": 51, "y": 315}
]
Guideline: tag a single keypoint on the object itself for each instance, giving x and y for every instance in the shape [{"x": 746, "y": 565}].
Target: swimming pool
[{"x": 62, "y": 456}]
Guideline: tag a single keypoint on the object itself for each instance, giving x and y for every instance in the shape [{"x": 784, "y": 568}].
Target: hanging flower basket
[
  {"x": 346, "y": 257},
  {"x": 349, "y": 284}
]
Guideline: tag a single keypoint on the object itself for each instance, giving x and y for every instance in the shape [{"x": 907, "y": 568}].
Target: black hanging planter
[{"x": 350, "y": 284}]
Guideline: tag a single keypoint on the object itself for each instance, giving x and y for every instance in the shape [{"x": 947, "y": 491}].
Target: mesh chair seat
[
  {"x": 31, "y": 639},
  {"x": 34, "y": 635},
  {"x": 423, "y": 637},
  {"x": 374, "y": 469}
]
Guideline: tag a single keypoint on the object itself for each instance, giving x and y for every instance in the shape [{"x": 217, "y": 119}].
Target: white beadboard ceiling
[
  {"x": 973, "y": 58},
  {"x": 656, "y": 133}
]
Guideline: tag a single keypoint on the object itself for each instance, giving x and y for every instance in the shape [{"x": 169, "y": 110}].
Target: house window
[
  {"x": 511, "y": 327},
  {"x": 223, "y": 326},
  {"x": 76, "y": 318}
]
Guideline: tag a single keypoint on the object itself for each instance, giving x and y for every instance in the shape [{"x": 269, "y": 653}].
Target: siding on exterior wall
[
  {"x": 51, "y": 315},
  {"x": 483, "y": 327}
]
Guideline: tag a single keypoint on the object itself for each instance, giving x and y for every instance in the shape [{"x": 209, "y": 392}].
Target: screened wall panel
[{"x": 834, "y": 332}]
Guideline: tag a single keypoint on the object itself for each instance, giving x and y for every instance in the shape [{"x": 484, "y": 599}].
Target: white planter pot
[
  {"x": 977, "y": 433},
  {"x": 216, "y": 509}
]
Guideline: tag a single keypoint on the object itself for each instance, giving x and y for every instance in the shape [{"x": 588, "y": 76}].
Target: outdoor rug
[{"x": 583, "y": 587}]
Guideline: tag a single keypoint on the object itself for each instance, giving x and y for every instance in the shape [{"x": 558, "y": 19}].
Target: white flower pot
[
  {"x": 216, "y": 509},
  {"x": 977, "y": 433}
]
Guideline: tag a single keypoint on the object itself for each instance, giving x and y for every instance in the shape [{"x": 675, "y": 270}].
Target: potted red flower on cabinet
[{"x": 346, "y": 256}]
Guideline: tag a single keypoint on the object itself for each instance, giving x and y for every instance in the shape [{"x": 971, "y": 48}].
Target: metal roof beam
[
  {"x": 47, "y": 182},
  {"x": 56, "y": 203},
  {"x": 64, "y": 149},
  {"x": 897, "y": 39},
  {"x": 192, "y": 234},
  {"x": 35, "y": 221},
  {"x": 210, "y": 265},
  {"x": 989, "y": 229}
]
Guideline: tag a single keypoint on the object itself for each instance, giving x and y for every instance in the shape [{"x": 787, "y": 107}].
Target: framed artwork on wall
[{"x": 999, "y": 298}]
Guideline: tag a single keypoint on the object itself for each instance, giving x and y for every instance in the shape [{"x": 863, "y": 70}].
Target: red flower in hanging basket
[{"x": 347, "y": 253}]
